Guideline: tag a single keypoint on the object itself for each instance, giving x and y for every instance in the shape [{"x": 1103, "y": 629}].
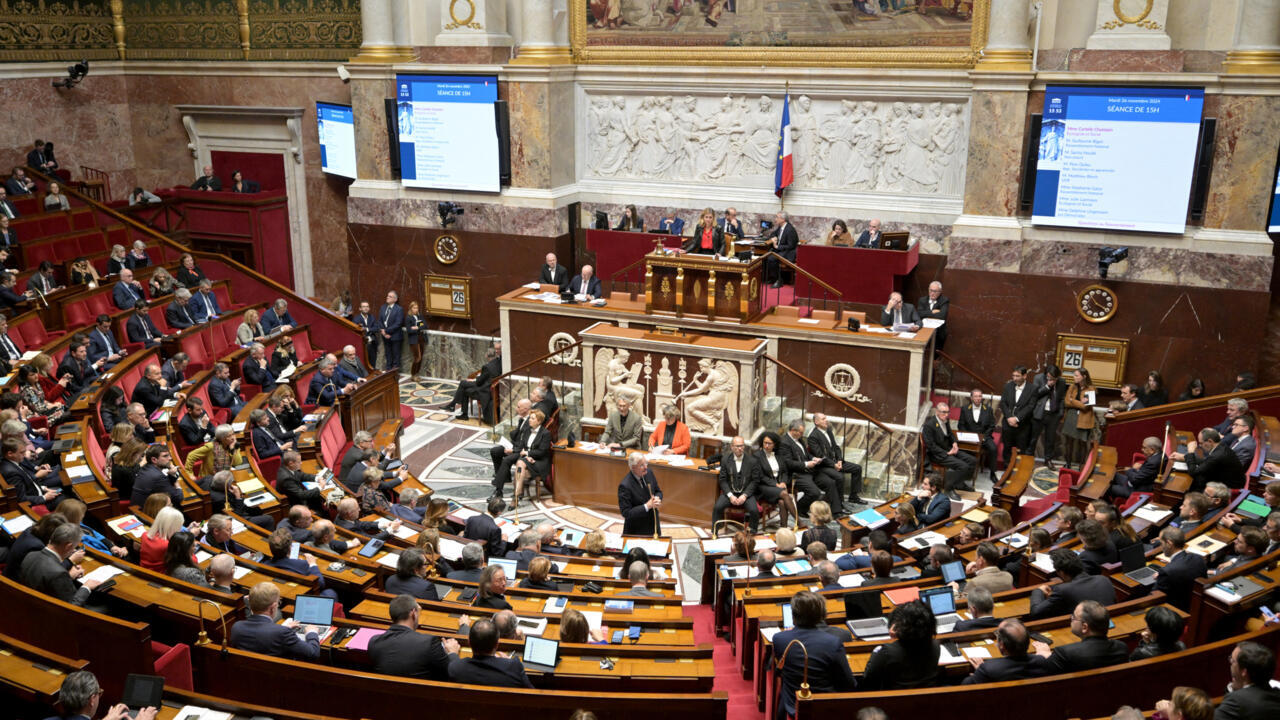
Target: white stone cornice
[{"x": 998, "y": 81}]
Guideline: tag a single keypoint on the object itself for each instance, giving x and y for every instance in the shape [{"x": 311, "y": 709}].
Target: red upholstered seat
[{"x": 173, "y": 664}]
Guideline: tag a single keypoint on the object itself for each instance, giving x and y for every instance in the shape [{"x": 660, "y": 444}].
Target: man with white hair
[
  {"x": 639, "y": 498},
  {"x": 935, "y": 306},
  {"x": 586, "y": 283},
  {"x": 256, "y": 370},
  {"x": 352, "y": 363},
  {"x": 177, "y": 314},
  {"x": 391, "y": 323},
  {"x": 783, "y": 240},
  {"x": 222, "y": 568},
  {"x": 277, "y": 317}
]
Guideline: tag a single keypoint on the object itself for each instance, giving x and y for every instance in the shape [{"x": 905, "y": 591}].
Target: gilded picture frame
[{"x": 777, "y": 55}]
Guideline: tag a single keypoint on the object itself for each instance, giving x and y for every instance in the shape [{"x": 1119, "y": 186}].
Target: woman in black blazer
[
  {"x": 774, "y": 480},
  {"x": 493, "y": 588},
  {"x": 630, "y": 220},
  {"x": 707, "y": 237},
  {"x": 415, "y": 325},
  {"x": 539, "y": 576},
  {"x": 535, "y": 455}
]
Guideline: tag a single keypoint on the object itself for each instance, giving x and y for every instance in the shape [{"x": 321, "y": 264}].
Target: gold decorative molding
[
  {"x": 1252, "y": 62},
  {"x": 34, "y": 30},
  {"x": 549, "y": 55},
  {"x": 1004, "y": 61},
  {"x": 779, "y": 56}
]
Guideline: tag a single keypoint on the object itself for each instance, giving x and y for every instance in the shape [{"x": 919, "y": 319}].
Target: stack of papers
[
  {"x": 925, "y": 539},
  {"x": 76, "y": 471},
  {"x": 1043, "y": 562},
  {"x": 360, "y": 641},
  {"x": 613, "y": 541},
  {"x": 450, "y": 549},
  {"x": 532, "y": 626},
  {"x": 793, "y": 567},
  {"x": 1204, "y": 546},
  {"x": 102, "y": 574},
  {"x": 870, "y": 518},
  {"x": 554, "y": 605},
  {"x": 240, "y": 571},
  {"x": 851, "y": 580},
  {"x": 17, "y": 525},
  {"x": 404, "y": 532},
  {"x": 968, "y": 437},
  {"x": 1014, "y": 540},
  {"x": 932, "y": 323},
  {"x": 465, "y": 513},
  {"x": 977, "y": 515},
  {"x": 765, "y": 543},
  {"x": 594, "y": 618},
  {"x": 717, "y": 546},
  {"x": 128, "y": 525},
  {"x": 1152, "y": 513},
  {"x": 389, "y": 559},
  {"x": 655, "y": 548}
]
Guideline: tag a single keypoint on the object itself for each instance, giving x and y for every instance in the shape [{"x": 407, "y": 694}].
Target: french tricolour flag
[{"x": 782, "y": 175}]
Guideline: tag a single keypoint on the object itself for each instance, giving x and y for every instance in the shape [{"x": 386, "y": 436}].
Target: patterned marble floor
[{"x": 453, "y": 458}]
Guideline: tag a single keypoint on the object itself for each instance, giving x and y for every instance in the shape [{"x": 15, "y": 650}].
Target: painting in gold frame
[{"x": 910, "y": 33}]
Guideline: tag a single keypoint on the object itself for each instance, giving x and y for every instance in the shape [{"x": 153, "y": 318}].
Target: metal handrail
[
  {"x": 827, "y": 393},
  {"x": 982, "y": 381},
  {"x": 805, "y": 273}
]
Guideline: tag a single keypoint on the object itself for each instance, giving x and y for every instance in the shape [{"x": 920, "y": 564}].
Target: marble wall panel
[
  {"x": 451, "y": 356},
  {"x": 90, "y": 125},
  {"x": 1082, "y": 60},
  {"x": 529, "y": 111},
  {"x": 1244, "y": 158},
  {"x": 367, "y": 95},
  {"x": 422, "y": 213},
  {"x": 996, "y": 132}
]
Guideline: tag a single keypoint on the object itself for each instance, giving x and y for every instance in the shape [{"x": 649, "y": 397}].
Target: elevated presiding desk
[{"x": 701, "y": 285}]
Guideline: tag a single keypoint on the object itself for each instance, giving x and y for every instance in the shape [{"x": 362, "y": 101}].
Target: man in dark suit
[
  {"x": 977, "y": 417},
  {"x": 502, "y": 456},
  {"x": 290, "y": 481},
  {"x": 638, "y": 577},
  {"x": 528, "y": 547},
  {"x": 174, "y": 370},
  {"x": 177, "y": 314},
  {"x": 1014, "y": 662},
  {"x": 1142, "y": 476},
  {"x": 482, "y": 528},
  {"x": 361, "y": 446},
  {"x": 223, "y": 391},
  {"x": 136, "y": 415},
  {"x": 277, "y": 317},
  {"x": 1090, "y": 622},
  {"x": 472, "y": 564},
  {"x": 325, "y": 387},
  {"x": 586, "y": 283},
  {"x": 541, "y": 402},
  {"x": 783, "y": 240},
  {"x": 391, "y": 318},
  {"x": 730, "y": 224},
  {"x": 822, "y": 661},
  {"x": 639, "y": 498},
  {"x": 553, "y": 273},
  {"x": 259, "y": 633},
  {"x": 7, "y": 210},
  {"x": 155, "y": 477},
  {"x": 1178, "y": 576},
  {"x": 350, "y": 362},
  {"x": 822, "y": 444},
  {"x": 981, "y": 607},
  {"x": 935, "y": 306},
  {"x": 204, "y": 303},
  {"x": 1240, "y": 440},
  {"x": 368, "y": 323},
  {"x": 869, "y": 238},
  {"x": 36, "y": 158},
  {"x": 152, "y": 391},
  {"x": 670, "y": 224},
  {"x": 8, "y": 236},
  {"x": 46, "y": 571},
  {"x": 484, "y": 667},
  {"x": 800, "y": 464},
  {"x": 127, "y": 291},
  {"x": 896, "y": 312},
  {"x": 207, "y": 181},
  {"x": 194, "y": 426},
  {"x": 10, "y": 353},
  {"x": 1077, "y": 586},
  {"x": 19, "y": 184},
  {"x": 355, "y": 476},
  {"x": 264, "y": 444},
  {"x": 256, "y": 370},
  {"x": 279, "y": 544},
  {"x": 934, "y": 507},
  {"x": 76, "y": 364},
  {"x": 738, "y": 479},
  {"x": 1046, "y": 412},
  {"x": 103, "y": 343},
  {"x": 941, "y": 447},
  {"x": 1251, "y": 696},
  {"x": 1016, "y": 404},
  {"x": 1211, "y": 460},
  {"x": 405, "y": 652},
  {"x": 477, "y": 388},
  {"x": 140, "y": 328}
]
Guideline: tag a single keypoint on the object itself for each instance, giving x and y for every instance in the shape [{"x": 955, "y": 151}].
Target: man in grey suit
[
  {"x": 624, "y": 429},
  {"x": 43, "y": 571},
  {"x": 638, "y": 576}
]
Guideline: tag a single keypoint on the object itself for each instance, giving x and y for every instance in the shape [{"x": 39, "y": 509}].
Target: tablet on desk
[
  {"x": 141, "y": 691},
  {"x": 541, "y": 653}
]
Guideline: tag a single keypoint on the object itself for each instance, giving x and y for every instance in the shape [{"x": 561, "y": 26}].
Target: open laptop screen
[
  {"x": 313, "y": 610},
  {"x": 939, "y": 600}
]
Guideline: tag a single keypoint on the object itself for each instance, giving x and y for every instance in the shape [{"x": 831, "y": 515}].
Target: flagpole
[{"x": 786, "y": 98}]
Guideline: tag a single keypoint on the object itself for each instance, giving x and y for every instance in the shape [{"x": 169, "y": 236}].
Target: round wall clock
[
  {"x": 1096, "y": 303},
  {"x": 447, "y": 249}
]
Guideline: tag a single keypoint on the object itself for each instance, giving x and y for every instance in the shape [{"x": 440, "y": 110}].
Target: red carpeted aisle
[{"x": 742, "y": 700}]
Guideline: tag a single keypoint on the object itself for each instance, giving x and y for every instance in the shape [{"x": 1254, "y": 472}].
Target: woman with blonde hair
[
  {"x": 707, "y": 238},
  {"x": 415, "y": 325},
  {"x": 1000, "y": 521},
  {"x": 785, "y": 538},
  {"x": 540, "y": 577},
  {"x": 161, "y": 283},
  {"x": 905, "y": 514},
  {"x": 574, "y": 628},
  {"x": 250, "y": 331},
  {"x": 671, "y": 432},
  {"x": 116, "y": 261},
  {"x": 593, "y": 543},
  {"x": 155, "y": 541},
  {"x": 820, "y": 527},
  {"x": 54, "y": 389},
  {"x": 437, "y": 510}
]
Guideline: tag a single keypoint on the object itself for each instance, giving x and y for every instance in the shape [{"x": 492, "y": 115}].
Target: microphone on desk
[{"x": 803, "y": 693}]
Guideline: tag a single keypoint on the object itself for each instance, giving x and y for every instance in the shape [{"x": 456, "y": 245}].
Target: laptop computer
[
  {"x": 1133, "y": 561},
  {"x": 943, "y": 604},
  {"x": 142, "y": 691},
  {"x": 953, "y": 572},
  {"x": 865, "y": 616},
  {"x": 508, "y": 567},
  {"x": 540, "y": 653},
  {"x": 314, "y": 610}
]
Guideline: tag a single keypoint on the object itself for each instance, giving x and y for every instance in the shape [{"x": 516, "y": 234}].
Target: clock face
[
  {"x": 447, "y": 250},
  {"x": 1096, "y": 303}
]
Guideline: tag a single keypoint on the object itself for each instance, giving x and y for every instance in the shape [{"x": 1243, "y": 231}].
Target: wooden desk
[
  {"x": 694, "y": 284},
  {"x": 590, "y": 479},
  {"x": 372, "y": 403}
]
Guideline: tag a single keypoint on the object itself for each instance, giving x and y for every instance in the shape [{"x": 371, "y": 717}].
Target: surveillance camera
[
  {"x": 1108, "y": 256},
  {"x": 448, "y": 212},
  {"x": 344, "y": 74}
]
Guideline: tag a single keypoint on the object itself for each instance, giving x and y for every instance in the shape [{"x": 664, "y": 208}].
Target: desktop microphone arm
[
  {"x": 203, "y": 638},
  {"x": 803, "y": 693}
]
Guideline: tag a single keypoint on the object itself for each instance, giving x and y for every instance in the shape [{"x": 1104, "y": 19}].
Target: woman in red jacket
[{"x": 671, "y": 432}]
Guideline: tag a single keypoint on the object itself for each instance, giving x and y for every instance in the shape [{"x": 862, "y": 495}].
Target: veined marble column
[
  {"x": 538, "y": 46},
  {"x": 1256, "y": 49},
  {"x": 377, "y": 27},
  {"x": 1008, "y": 48}
]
